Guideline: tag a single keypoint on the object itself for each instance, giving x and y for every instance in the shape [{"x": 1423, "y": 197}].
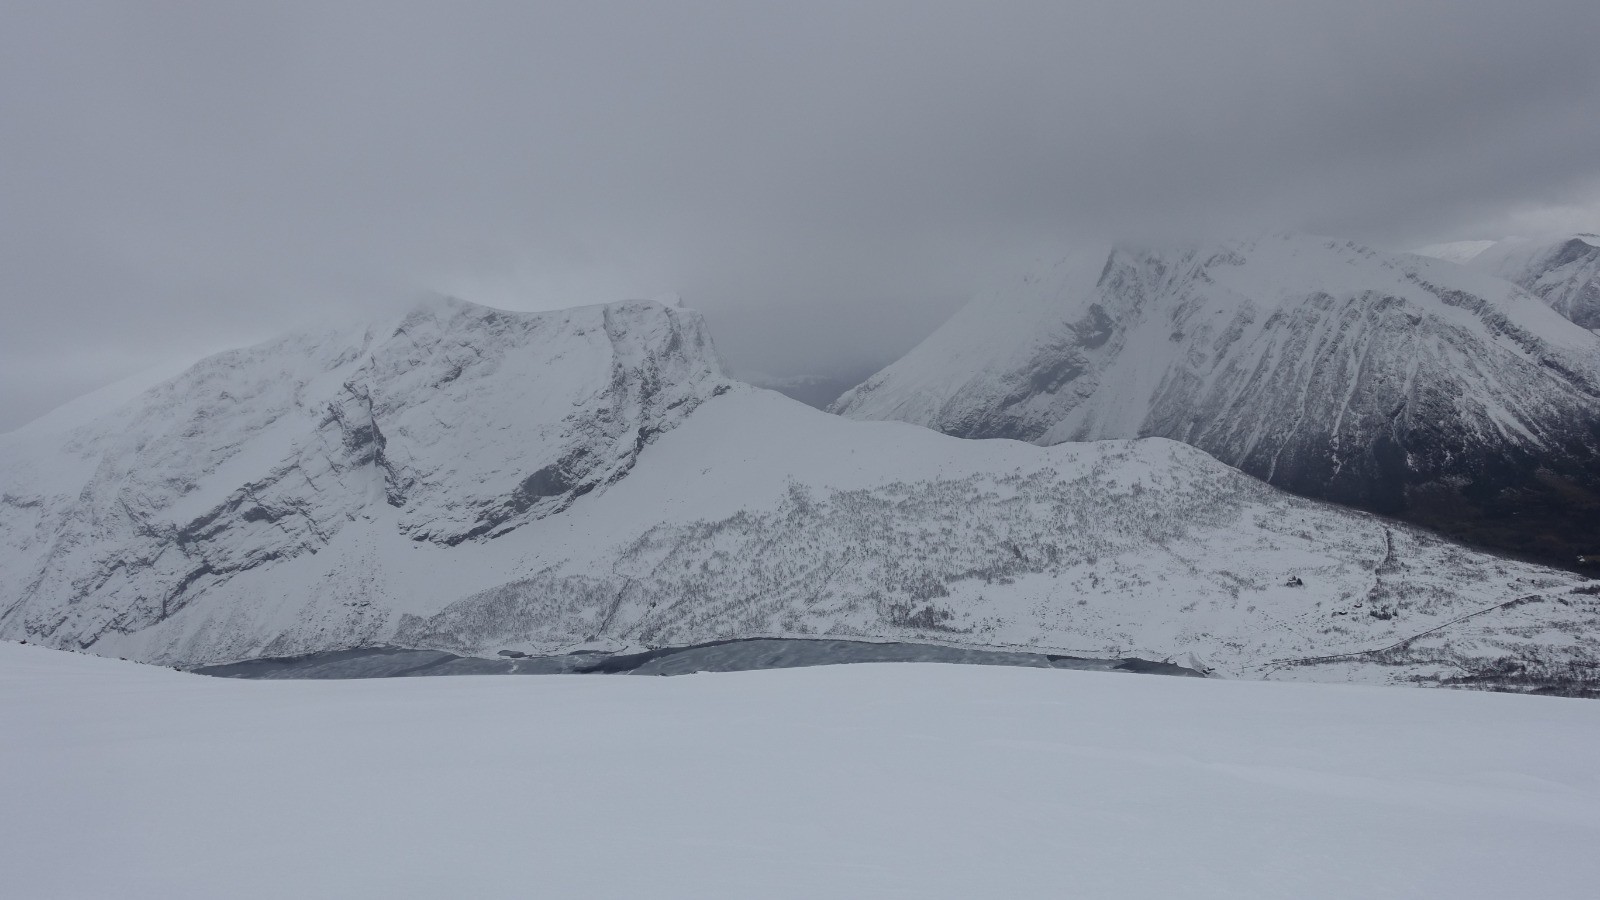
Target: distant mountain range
[
  {"x": 472, "y": 480},
  {"x": 1404, "y": 385},
  {"x": 1562, "y": 271}
]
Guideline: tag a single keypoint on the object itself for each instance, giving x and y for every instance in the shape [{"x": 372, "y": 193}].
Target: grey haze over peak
[{"x": 825, "y": 181}]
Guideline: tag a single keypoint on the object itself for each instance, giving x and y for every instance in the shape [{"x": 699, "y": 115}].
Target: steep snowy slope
[
  {"x": 1391, "y": 382},
  {"x": 401, "y": 486},
  {"x": 1564, "y": 272}
]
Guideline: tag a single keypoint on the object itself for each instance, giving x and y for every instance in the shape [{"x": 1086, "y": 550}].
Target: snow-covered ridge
[
  {"x": 461, "y": 421},
  {"x": 1389, "y": 381},
  {"x": 1454, "y": 251},
  {"x": 1562, "y": 271}
]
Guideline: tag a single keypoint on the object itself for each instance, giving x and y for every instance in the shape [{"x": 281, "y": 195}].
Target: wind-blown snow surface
[
  {"x": 899, "y": 780},
  {"x": 1564, "y": 272},
  {"x": 1388, "y": 381}
]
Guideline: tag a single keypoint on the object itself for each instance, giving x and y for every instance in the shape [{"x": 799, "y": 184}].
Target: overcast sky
[{"x": 825, "y": 180}]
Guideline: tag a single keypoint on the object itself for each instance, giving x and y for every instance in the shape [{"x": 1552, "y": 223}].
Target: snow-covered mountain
[
  {"x": 475, "y": 480},
  {"x": 1390, "y": 382},
  {"x": 456, "y": 422},
  {"x": 1564, "y": 271}
]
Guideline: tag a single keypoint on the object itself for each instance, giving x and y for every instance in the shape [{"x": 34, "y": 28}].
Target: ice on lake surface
[{"x": 716, "y": 656}]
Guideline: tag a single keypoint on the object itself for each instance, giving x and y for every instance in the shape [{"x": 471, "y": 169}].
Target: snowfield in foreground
[{"x": 908, "y": 780}]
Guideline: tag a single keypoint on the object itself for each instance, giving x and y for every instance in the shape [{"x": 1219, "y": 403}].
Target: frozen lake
[{"x": 718, "y": 656}]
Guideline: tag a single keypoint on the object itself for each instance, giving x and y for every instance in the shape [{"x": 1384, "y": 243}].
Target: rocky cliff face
[{"x": 1390, "y": 382}]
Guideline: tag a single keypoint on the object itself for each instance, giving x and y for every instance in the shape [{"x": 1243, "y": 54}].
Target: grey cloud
[{"x": 826, "y": 180}]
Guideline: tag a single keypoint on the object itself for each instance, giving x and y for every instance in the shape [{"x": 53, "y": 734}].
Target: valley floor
[{"x": 884, "y": 780}]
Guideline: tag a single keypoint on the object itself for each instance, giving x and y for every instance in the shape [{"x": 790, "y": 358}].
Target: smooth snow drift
[
  {"x": 1390, "y": 382},
  {"x": 907, "y": 780}
]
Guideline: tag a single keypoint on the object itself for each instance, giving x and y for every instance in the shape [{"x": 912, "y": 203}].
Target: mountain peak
[
  {"x": 1563, "y": 271},
  {"x": 1388, "y": 381},
  {"x": 461, "y": 424}
]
